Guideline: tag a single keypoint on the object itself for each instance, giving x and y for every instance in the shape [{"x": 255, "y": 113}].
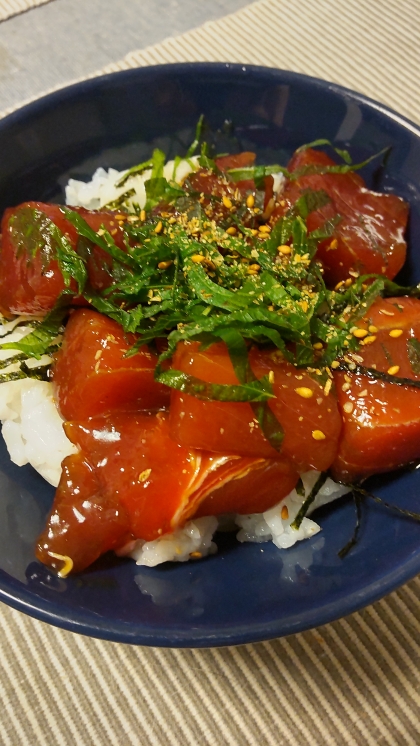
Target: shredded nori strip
[
  {"x": 391, "y": 506},
  {"x": 378, "y": 375},
  {"x": 309, "y": 500},
  {"x": 40, "y": 373},
  {"x": 184, "y": 277},
  {"x": 354, "y": 539},
  {"x": 359, "y": 494}
]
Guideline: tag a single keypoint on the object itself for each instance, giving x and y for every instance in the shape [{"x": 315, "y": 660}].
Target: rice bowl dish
[
  {"x": 32, "y": 426},
  {"x": 283, "y": 602}
]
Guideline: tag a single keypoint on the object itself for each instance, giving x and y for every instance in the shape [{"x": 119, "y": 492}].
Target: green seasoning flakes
[{"x": 207, "y": 263}]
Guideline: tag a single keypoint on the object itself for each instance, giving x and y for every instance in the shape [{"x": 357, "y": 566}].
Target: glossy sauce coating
[
  {"x": 370, "y": 234},
  {"x": 139, "y": 475},
  {"x": 258, "y": 491},
  {"x": 30, "y": 277},
  {"x": 131, "y": 480},
  {"x": 232, "y": 426},
  {"x": 92, "y": 375},
  {"x": 381, "y": 421}
]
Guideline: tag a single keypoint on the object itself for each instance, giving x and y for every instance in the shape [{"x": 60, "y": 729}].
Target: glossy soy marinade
[{"x": 248, "y": 304}]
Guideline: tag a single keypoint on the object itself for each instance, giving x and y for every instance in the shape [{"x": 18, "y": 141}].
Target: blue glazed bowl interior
[{"x": 248, "y": 592}]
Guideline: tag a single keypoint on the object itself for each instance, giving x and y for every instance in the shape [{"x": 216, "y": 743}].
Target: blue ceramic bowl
[{"x": 248, "y": 592}]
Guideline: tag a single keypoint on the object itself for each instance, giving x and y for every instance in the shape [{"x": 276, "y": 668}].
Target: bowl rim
[
  {"x": 217, "y": 637},
  {"x": 85, "y": 85},
  {"x": 47, "y": 611}
]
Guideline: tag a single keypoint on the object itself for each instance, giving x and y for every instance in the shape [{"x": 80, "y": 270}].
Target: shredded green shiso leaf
[{"x": 193, "y": 269}]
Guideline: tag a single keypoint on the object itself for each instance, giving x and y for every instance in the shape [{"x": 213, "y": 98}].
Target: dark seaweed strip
[
  {"x": 39, "y": 341},
  {"x": 365, "y": 493},
  {"x": 39, "y": 374},
  {"x": 11, "y": 360},
  {"x": 378, "y": 375},
  {"x": 24, "y": 322},
  {"x": 300, "y": 488},
  {"x": 309, "y": 500},
  {"x": 22, "y": 356},
  {"x": 354, "y": 539},
  {"x": 117, "y": 203},
  {"x": 133, "y": 171}
]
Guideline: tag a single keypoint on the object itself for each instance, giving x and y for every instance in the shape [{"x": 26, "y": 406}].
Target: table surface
[
  {"x": 355, "y": 681},
  {"x": 80, "y": 36}
]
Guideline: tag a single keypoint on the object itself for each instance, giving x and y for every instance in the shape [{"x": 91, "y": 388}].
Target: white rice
[
  {"x": 195, "y": 538},
  {"x": 33, "y": 433},
  {"x": 33, "y": 429},
  {"x": 275, "y": 523},
  {"x": 101, "y": 190}
]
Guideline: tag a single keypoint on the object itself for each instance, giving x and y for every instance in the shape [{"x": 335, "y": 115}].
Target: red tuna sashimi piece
[
  {"x": 30, "y": 277},
  {"x": 206, "y": 182},
  {"x": 258, "y": 491},
  {"x": 231, "y": 427},
  {"x": 370, "y": 235},
  {"x": 91, "y": 374},
  {"x": 131, "y": 480},
  {"x": 221, "y": 185},
  {"x": 381, "y": 421}
]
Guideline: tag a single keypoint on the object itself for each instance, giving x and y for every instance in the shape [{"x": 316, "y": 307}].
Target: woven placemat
[
  {"x": 373, "y": 47},
  {"x": 9, "y": 8},
  {"x": 355, "y": 681}
]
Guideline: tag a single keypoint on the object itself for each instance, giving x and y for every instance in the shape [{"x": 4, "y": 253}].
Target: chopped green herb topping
[
  {"x": 41, "y": 339},
  {"x": 207, "y": 267}
]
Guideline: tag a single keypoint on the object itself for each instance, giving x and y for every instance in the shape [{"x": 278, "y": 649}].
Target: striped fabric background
[
  {"x": 370, "y": 47},
  {"x": 355, "y": 681},
  {"x": 9, "y": 8}
]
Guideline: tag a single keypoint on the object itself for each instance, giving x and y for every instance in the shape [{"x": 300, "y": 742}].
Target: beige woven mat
[
  {"x": 9, "y": 8},
  {"x": 355, "y": 681},
  {"x": 372, "y": 47}
]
